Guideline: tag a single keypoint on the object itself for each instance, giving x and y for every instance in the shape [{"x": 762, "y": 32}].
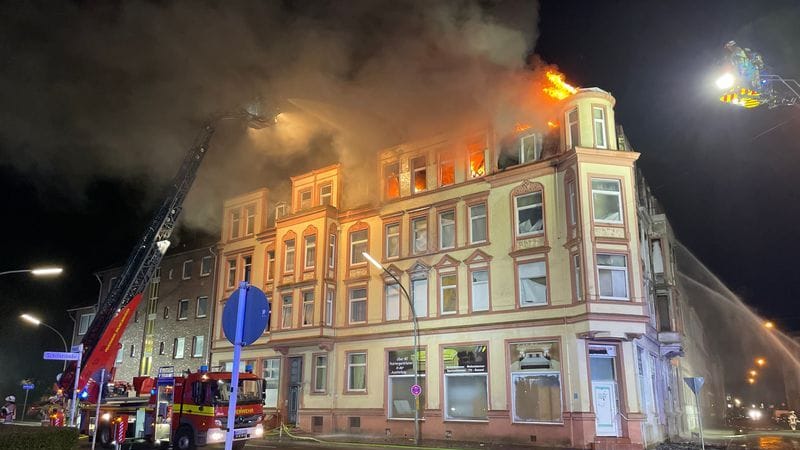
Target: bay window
[
  {"x": 308, "y": 308},
  {"x": 607, "y": 201},
  {"x": 612, "y": 274},
  {"x": 599, "y": 127}
]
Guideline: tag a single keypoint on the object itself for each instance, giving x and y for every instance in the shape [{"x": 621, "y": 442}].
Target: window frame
[
  {"x": 360, "y": 261},
  {"x": 304, "y": 320},
  {"x": 197, "y": 307},
  {"x": 418, "y": 277},
  {"x": 330, "y": 302},
  {"x": 349, "y": 365},
  {"x": 576, "y": 272},
  {"x": 270, "y": 272},
  {"x": 332, "y": 251},
  {"x": 303, "y": 204},
  {"x": 289, "y": 247},
  {"x": 537, "y": 148},
  {"x": 315, "y": 375},
  {"x": 533, "y": 206},
  {"x": 422, "y": 218},
  {"x": 309, "y": 239},
  {"x": 329, "y": 195},
  {"x": 447, "y": 159},
  {"x": 624, "y": 269},
  {"x": 287, "y": 310},
  {"x": 442, "y": 287},
  {"x": 232, "y": 272},
  {"x": 473, "y": 148},
  {"x": 415, "y": 170},
  {"x": 351, "y": 300},
  {"x": 386, "y": 287},
  {"x": 571, "y": 144},
  {"x": 183, "y": 309},
  {"x": 179, "y": 343},
  {"x": 602, "y": 122},
  {"x": 618, "y": 194},
  {"x": 187, "y": 274},
  {"x": 195, "y": 346},
  {"x": 471, "y": 218},
  {"x": 203, "y": 271},
  {"x": 441, "y": 225},
  {"x": 236, "y": 223},
  {"x": 518, "y": 270},
  {"x": 386, "y": 240},
  {"x": 470, "y": 272},
  {"x": 391, "y": 177},
  {"x": 447, "y": 376},
  {"x": 249, "y": 219},
  {"x": 89, "y": 320},
  {"x": 548, "y": 372},
  {"x": 247, "y": 267}
]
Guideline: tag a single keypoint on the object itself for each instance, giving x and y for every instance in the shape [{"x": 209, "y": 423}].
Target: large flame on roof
[{"x": 559, "y": 88}]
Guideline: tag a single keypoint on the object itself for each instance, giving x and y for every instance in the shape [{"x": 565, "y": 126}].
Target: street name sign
[
  {"x": 27, "y": 387},
  {"x": 62, "y": 356}
]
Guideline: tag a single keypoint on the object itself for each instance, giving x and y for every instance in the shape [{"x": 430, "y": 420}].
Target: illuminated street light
[
  {"x": 761, "y": 362},
  {"x": 725, "y": 81},
  {"x": 414, "y": 360},
  {"x": 769, "y": 324},
  {"x": 39, "y": 271},
  {"x": 751, "y": 380},
  {"x": 753, "y": 373},
  {"x": 29, "y": 318}
]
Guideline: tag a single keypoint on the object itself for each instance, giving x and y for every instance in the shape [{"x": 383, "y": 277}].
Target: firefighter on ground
[
  {"x": 9, "y": 411},
  {"x": 792, "y": 420}
]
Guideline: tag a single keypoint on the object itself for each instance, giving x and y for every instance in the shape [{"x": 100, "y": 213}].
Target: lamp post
[
  {"x": 35, "y": 321},
  {"x": 415, "y": 359},
  {"x": 42, "y": 271}
]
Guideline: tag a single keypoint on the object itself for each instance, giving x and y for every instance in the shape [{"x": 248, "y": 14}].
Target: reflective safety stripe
[{"x": 194, "y": 409}]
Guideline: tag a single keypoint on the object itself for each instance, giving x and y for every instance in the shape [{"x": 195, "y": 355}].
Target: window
[
  {"x": 477, "y": 223},
  {"x": 392, "y": 294},
  {"x": 612, "y": 273},
  {"x": 663, "y": 313},
  {"x": 311, "y": 252},
  {"x": 197, "y": 346},
  {"x": 530, "y": 148},
  {"x": 532, "y": 284},
  {"x": 599, "y": 123},
  {"x": 250, "y": 220},
  {"x": 235, "y": 223},
  {"x": 447, "y": 169},
  {"x": 183, "y": 309},
  {"x": 288, "y": 256},
  {"x": 187, "y": 269},
  {"x": 166, "y": 312},
  {"x": 177, "y": 351},
  {"x": 419, "y": 174},
  {"x": 392, "y": 249},
  {"x": 358, "y": 245},
  {"x": 136, "y": 316},
  {"x": 330, "y": 295},
  {"x": 86, "y": 320},
  {"x": 331, "y": 251},
  {"x": 231, "y": 273},
  {"x": 447, "y": 230},
  {"x": 357, "y": 372},
  {"x": 133, "y": 350},
  {"x": 477, "y": 159},
  {"x": 419, "y": 235},
  {"x": 271, "y": 374},
  {"x": 206, "y": 265},
  {"x": 247, "y": 267},
  {"x": 391, "y": 180},
  {"x": 607, "y": 201},
  {"x": 320, "y": 373},
  {"x": 578, "y": 274},
  {"x": 280, "y": 211},
  {"x": 308, "y": 308},
  {"x": 572, "y": 204},
  {"x": 202, "y": 307},
  {"x": 286, "y": 311},
  {"x": 466, "y": 390},
  {"x": 448, "y": 293},
  {"x": 480, "y": 290},
  {"x": 161, "y": 348},
  {"x": 325, "y": 194},
  {"x": 529, "y": 214},
  {"x": 419, "y": 296},
  {"x": 535, "y": 371},
  {"x": 358, "y": 305},
  {"x": 270, "y": 265},
  {"x": 120, "y": 352},
  {"x": 574, "y": 132},
  {"x": 305, "y": 199},
  {"x": 401, "y": 378}
]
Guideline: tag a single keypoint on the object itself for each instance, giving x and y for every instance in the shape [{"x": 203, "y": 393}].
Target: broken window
[
  {"x": 477, "y": 159},
  {"x": 530, "y": 148},
  {"x": 419, "y": 174},
  {"x": 529, "y": 214},
  {"x": 419, "y": 235},
  {"x": 447, "y": 169},
  {"x": 447, "y": 230},
  {"x": 391, "y": 180},
  {"x": 533, "y": 284}
]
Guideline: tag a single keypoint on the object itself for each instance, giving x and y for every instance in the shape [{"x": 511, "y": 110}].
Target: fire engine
[{"x": 188, "y": 409}]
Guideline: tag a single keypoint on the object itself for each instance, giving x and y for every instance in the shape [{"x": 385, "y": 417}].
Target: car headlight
[
  {"x": 215, "y": 435},
  {"x": 259, "y": 431}
]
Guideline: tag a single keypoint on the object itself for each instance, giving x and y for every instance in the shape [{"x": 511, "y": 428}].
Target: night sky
[{"x": 98, "y": 102}]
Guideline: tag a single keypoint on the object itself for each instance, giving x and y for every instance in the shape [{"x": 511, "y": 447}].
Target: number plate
[{"x": 239, "y": 434}]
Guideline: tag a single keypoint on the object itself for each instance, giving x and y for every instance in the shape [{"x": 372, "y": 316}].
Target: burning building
[{"x": 519, "y": 252}]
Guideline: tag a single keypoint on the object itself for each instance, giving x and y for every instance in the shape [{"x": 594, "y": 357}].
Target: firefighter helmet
[{"x": 11, "y": 399}]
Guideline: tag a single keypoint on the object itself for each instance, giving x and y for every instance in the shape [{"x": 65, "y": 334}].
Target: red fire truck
[{"x": 189, "y": 410}]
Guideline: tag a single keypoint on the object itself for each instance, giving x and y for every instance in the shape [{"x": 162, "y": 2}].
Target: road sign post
[
  {"x": 244, "y": 319},
  {"x": 79, "y": 350},
  {"x": 27, "y": 387},
  {"x": 695, "y": 384}
]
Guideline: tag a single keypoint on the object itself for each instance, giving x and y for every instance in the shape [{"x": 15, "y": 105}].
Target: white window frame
[
  {"x": 473, "y": 218},
  {"x": 388, "y": 239},
  {"x": 331, "y": 251},
  {"x": 306, "y": 203},
  {"x": 179, "y": 348},
  {"x": 271, "y": 374},
  {"x": 352, "y": 302},
  {"x": 232, "y": 271},
  {"x": 572, "y": 203},
  {"x": 330, "y": 297},
  {"x": 518, "y": 209},
  {"x": 601, "y": 122},
  {"x": 280, "y": 211},
  {"x": 537, "y": 148},
  {"x": 571, "y": 140},
  {"x": 415, "y": 169},
  {"x": 308, "y": 308},
  {"x": 198, "y": 342},
  {"x": 249, "y": 220},
  {"x": 270, "y": 265},
  {"x": 289, "y": 255},
  {"x": 320, "y": 373},
  {"x": 623, "y": 269},
  {"x": 183, "y": 309},
  {"x": 206, "y": 266},
  {"x": 352, "y": 365},
  {"x": 452, "y": 225},
  {"x": 523, "y": 301},
  {"x": 420, "y": 304},
  {"x": 447, "y": 377},
  {"x": 247, "y": 267},
  {"x": 236, "y": 219},
  {"x": 416, "y": 233},
  {"x": 452, "y": 287},
  {"x": 577, "y": 271},
  {"x": 186, "y": 273},
  {"x": 391, "y": 294},
  {"x": 287, "y": 310},
  {"x": 201, "y": 299},
  {"x": 85, "y": 322},
  {"x": 617, "y": 194},
  {"x": 326, "y": 195},
  {"x": 480, "y": 284},
  {"x": 358, "y": 246},
  {"x": 310, "y": 243}
]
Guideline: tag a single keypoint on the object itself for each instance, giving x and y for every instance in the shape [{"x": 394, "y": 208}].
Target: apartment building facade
[
  {"x": 521, "y": 256},
  {"x": 173, "y": 321}
]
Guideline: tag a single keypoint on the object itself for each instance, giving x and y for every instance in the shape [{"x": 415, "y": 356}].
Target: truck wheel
[
  {"x": 104, "y": 436},
  {"x": 239, "y": 445},
  {"x": 184, "y": 439}
]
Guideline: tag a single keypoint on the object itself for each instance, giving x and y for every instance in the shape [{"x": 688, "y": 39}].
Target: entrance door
[
  {"x": 293, "y": 394},
  {"x": 604, "y": 390}
]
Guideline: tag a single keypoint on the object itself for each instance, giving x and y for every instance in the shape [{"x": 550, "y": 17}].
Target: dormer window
[
  {"x": 419, "y": 174},
  {"x": 325, "y": 194},
  {"x": 305, "y": 199}
]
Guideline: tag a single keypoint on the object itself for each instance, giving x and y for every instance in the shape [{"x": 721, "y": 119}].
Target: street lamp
[
  {"x": 415, "y": 359},
  {"x": 40, "y": 271},
  {"x": 761, "y": 362},
  {"x": 37, "y": 322},
  {"x": 769, "y": 325}
]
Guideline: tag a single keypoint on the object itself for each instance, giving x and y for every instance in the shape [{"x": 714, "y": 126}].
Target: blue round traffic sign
[{"x": 256, "y": 315}]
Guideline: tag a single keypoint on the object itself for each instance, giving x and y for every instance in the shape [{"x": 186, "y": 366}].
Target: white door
[{"x": 604, "y": 394}]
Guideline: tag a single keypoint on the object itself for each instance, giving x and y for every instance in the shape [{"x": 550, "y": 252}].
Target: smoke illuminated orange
[
  {"x": 520, "y": 127},
  {"x": 552, "y": 124},
  {"x": 560, "y": 89}
]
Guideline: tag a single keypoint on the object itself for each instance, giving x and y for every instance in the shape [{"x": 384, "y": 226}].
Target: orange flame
[
  {"x": 560, "y": 89},
  {"x": 552, "y": 124},
  {"x": 519, "y": 127}
]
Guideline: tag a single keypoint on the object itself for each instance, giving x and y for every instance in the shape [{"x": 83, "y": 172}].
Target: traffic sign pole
[
  {"x": 25, "y": 405},
  {"x": 237, "y": 354},
  {"x": 75, "y": 388}
]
